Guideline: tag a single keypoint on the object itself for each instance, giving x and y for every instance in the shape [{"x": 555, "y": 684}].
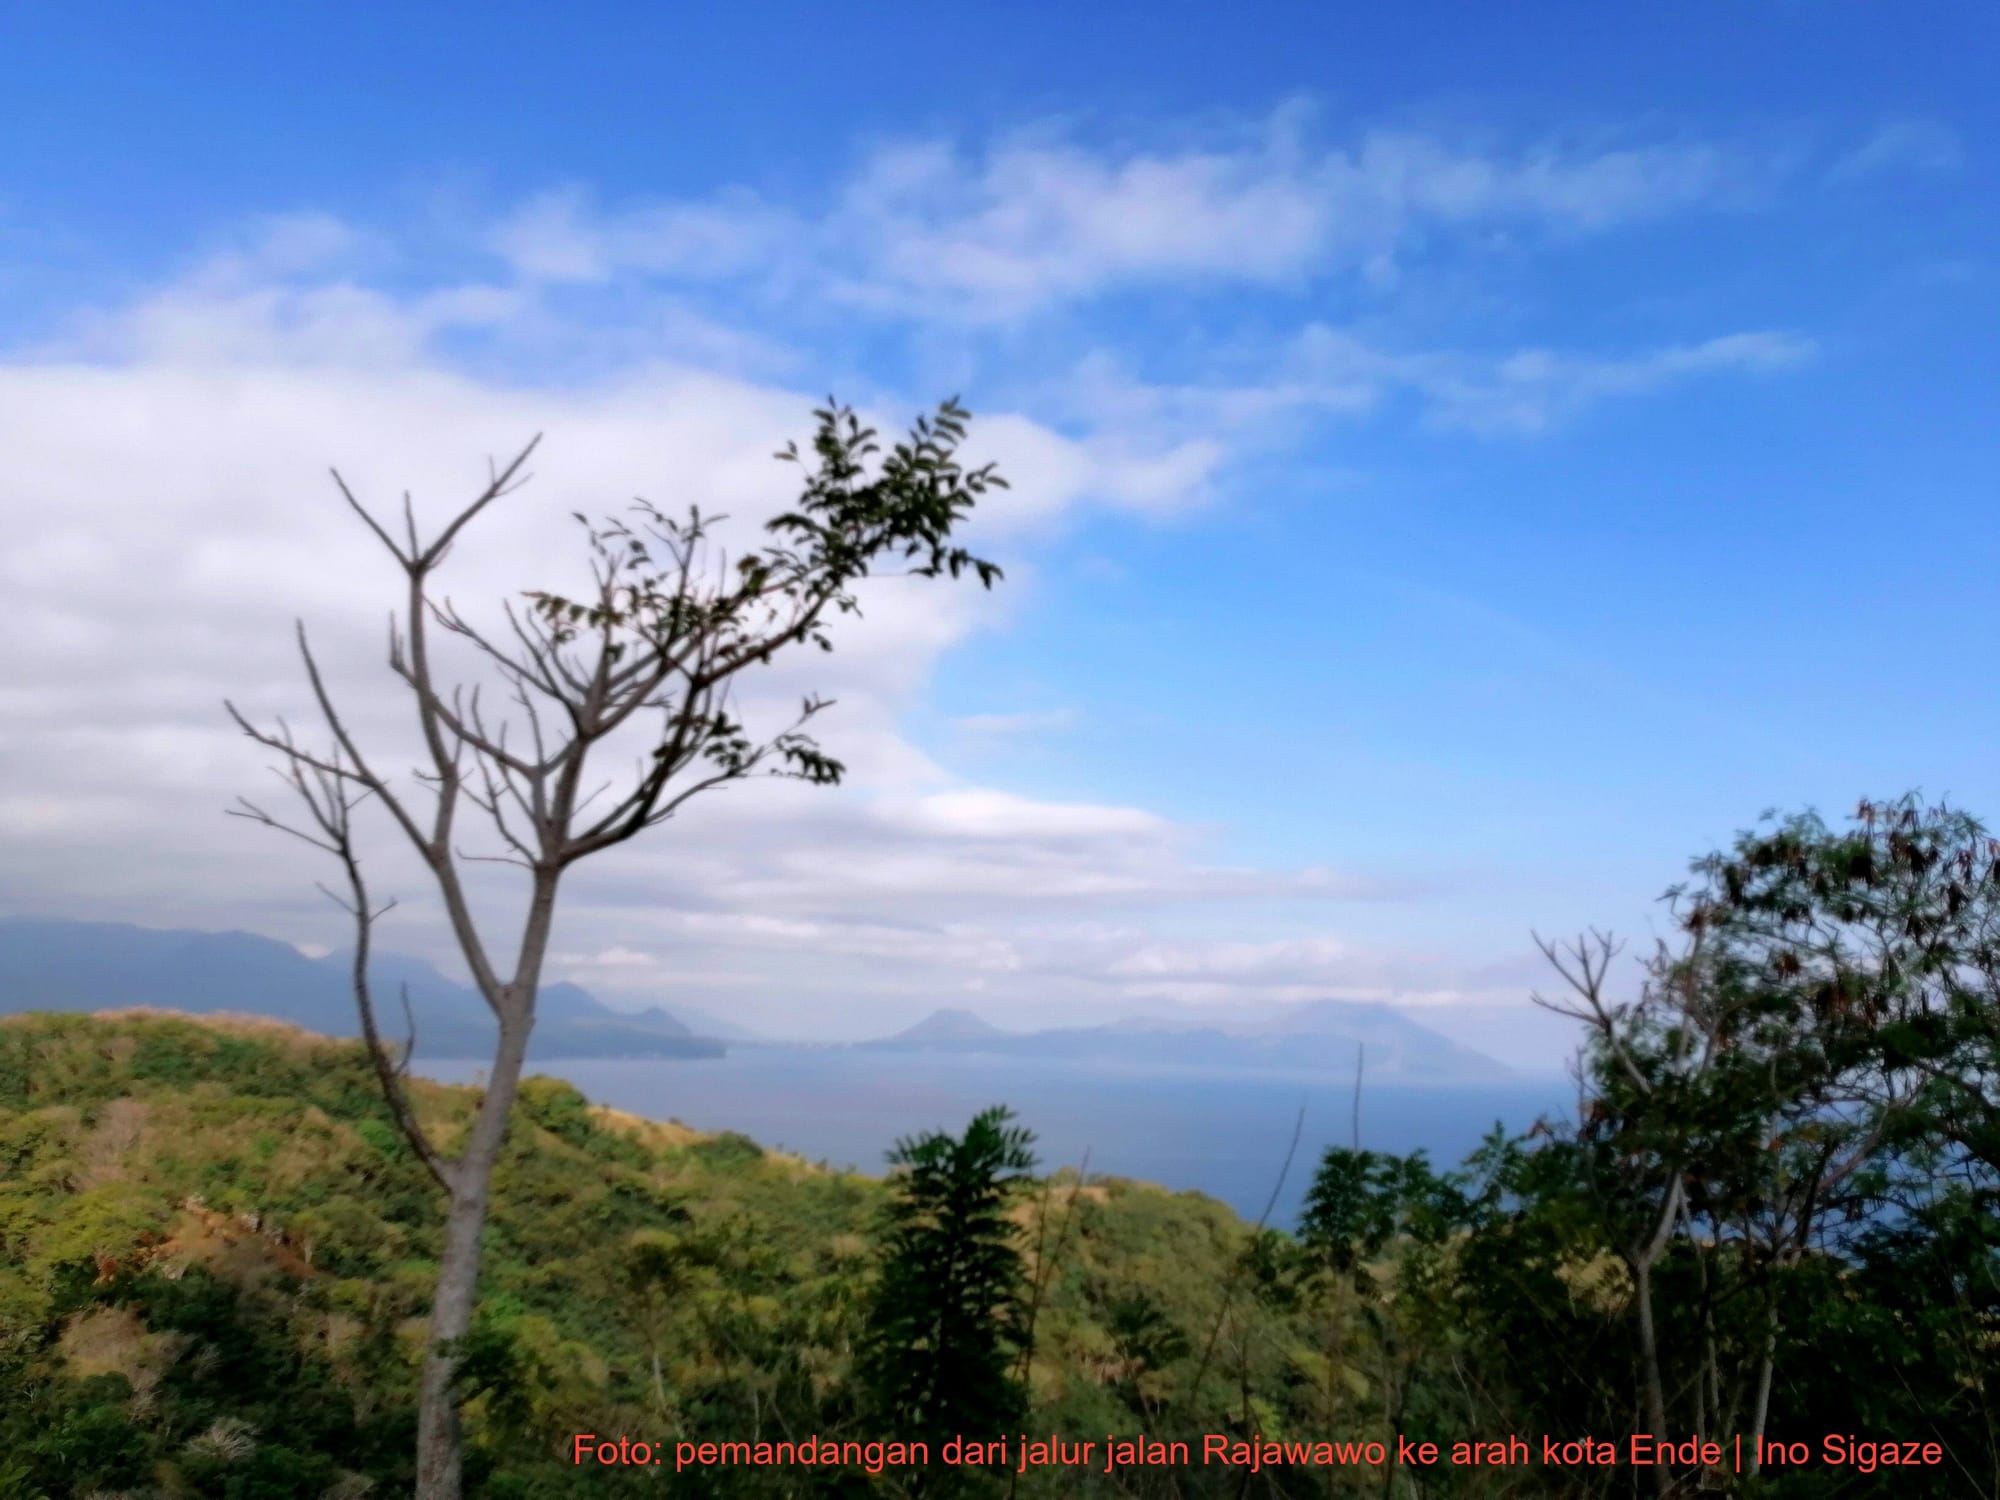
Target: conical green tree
[{"x": 946, "y": 1326}]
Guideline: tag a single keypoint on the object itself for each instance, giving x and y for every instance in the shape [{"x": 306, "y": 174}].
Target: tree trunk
[
  {"x": 438, "y": 1438},
  {"x": 1649, "y": 1360},
  {"x": 1761, "y": 1411}
]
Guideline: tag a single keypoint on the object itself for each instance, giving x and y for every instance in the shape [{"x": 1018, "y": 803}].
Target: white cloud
[
  {"x": 1332, "y": 372},
  {"x": 1029, "y": 223},
  {"x": 1150, "y": 470},
  {"x": 1580, "y": 188},
  {"x": 1531, "y": 390},
  {"x": 170, "y": 514},
  {"x": 561, "y": 237},
  {"x": 545, "y": 240},
  {"x": 1902, "y": 146},
  {"x": 234, "y": 324},
  {"x": 1232, "y": 960},
  {"x": 931, "y": 228},
  {"x": 288, "y": 244},
  {"x": 608, "y": 958},
  {"x": 1045, "y": 721},
  {"x": 986, "y": 814}
]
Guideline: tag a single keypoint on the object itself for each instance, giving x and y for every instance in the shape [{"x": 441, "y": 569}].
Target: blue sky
[{"x": 1468, "y": 459}]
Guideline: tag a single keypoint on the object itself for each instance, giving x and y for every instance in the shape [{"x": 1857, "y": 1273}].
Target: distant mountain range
[
  {"x": 49, "y": 965},
  {"x": 77, "y": 966},
  {"x": 1317, "y": 1036}
]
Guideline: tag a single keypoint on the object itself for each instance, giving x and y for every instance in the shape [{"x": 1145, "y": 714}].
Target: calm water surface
[{"x": 1217, "y": 1133}]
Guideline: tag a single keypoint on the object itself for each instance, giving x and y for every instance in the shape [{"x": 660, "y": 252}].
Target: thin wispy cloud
[
  {"x": 934, "y": 228},
  {"x": 1010, "y": 725},
  {"x": 1914, "y": 146},
  {"x": 1332, "y": 373}
]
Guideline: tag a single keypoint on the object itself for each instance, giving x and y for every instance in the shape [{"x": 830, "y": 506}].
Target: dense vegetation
[
  {"x": 215, "y": 1250},
  {"x": 1775, "y": 1212}
]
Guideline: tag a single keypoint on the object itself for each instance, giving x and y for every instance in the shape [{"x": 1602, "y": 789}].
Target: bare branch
[
  {"x": 1584, "y": 968},
  {"x": 330, "y": 804},
  {"x": 505, "y": 482},
  {"x": 373, "y": 525}
]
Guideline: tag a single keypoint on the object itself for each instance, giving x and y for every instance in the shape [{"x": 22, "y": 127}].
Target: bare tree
[
  {"x": 1657, "y": 1190},
  {"x": 653, "y": 649}
]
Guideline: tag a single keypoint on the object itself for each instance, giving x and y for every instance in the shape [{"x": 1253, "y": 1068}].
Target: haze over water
[{"x": 1218, "y": 1133}]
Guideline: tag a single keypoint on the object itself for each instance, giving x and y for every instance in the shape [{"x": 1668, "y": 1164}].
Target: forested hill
[
  {"x": 58, "y": 965},
  {"x": 1329, "y": 1038},
  {"x": 217, "y": 1254}
]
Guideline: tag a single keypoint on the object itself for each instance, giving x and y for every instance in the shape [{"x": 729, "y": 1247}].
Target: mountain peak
[
  {"x": 69, "y": 966},
  {"x": 949, "y": 1025},
  {"x": 1322, "y": 1037}
]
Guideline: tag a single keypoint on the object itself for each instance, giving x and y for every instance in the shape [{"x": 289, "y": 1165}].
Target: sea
[{"x": 1228, "y": 1135}]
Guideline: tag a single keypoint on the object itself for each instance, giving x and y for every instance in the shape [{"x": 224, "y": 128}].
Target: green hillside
[{"x": 216, "y": 1250}]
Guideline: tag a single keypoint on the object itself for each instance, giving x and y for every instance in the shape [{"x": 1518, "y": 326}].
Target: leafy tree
[
  {"x": 1877, "y": 951},
  {"x": 1360, "y": 1202},
  {"x": 660, "y": 641},
  {"x": 1147, "y": 1341},
  {"x": 1814, "y": 1053},
  {"x": 947, "y": 1320},
  {"x": 1855, "y": 971}
]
